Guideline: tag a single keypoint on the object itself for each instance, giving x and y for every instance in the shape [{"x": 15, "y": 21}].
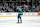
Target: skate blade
[{"x": 19, "y": 22}]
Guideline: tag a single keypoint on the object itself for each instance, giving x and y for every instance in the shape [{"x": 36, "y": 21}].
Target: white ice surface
[{"x": 26, "y": 22}]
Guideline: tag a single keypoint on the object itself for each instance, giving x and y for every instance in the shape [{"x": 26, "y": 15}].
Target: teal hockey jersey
[{"x": 20, "y": 11}]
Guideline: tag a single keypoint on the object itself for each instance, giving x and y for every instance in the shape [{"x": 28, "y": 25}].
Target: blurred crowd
[{"x": 12, "y": 7}]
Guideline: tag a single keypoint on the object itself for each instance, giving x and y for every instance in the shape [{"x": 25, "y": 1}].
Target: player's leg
[{"x": 20, "y": 19}]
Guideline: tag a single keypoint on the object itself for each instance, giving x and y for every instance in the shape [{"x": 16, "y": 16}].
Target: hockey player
[{"x": 20, "y": 13}]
